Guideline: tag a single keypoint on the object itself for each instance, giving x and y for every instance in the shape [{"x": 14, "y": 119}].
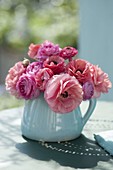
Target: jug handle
[{"x": 91, "y": 107}]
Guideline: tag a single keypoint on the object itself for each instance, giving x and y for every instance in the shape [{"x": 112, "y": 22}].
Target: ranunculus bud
[
  {"x": 88, "y": 90},
  {"x": 25, "y": 62}
]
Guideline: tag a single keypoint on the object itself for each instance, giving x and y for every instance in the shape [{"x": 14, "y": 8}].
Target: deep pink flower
[
  {"x": 42, "y": 78},
  {"x": 42, "y": 58},
  {"x": 55, "y": 63},
  {"x": 81, "y": 69},
  {"x": 88, "y": 90},
  {"x": 13, "y": 76},
  {"x": 33, "y": 50},
  {"x": 26, "y": 87},
  {"x": 34, "y": 67},
  {"x": 48, "y": 49},
  {"x": 101, "y": 81},
  {"x": 68, "y": 52},
  {"x": 63, "y": 93}
]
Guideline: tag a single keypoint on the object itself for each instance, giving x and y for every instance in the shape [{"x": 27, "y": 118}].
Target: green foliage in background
[
  {"x": 7, "y": 101},
  {"x": 26, "y": 21}
]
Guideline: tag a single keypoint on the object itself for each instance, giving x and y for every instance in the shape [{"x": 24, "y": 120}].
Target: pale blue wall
[{"x": 96, "y": 35}]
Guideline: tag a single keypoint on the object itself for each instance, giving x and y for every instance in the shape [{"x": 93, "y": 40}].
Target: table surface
[{"x": 83, "y": 153}]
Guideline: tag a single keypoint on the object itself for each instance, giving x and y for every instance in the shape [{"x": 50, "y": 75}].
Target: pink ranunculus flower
[
  {"x": 34, "y": 67},
  {"x": 55, "y": 63},
  {"x": 42, "y": 78},
  {"x": 63, "y": 93},
  {"x": 81, "y": 69},
  {"x": 48, "y": 49},
  {"x": 27, "y": 88},
  {"x": 68, "y": 52},
  {"x": 13, "y": 76},
  {"x": 88, "y": 90},
  {"x": 33, "y": 50},
  {"x": 101, "y": 81}
]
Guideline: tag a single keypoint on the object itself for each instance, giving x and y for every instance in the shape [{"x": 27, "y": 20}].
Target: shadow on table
[{"x": 79, "y": 153}]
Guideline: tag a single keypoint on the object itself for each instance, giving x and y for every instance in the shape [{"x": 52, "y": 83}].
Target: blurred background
[
  {"x": 86, "y": 25},
  {"x": 25, "y": 21}
]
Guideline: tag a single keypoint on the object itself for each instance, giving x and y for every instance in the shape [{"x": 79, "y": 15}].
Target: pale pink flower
[
  {"x": 34, "y": 67},
  {"x": 55, "y": 63},
  {"x": 13, "y": 76},
  {"x": 63, "y": 93},
  {"x": 88, "y": 89},
  {"x": 68, "y": 52},
  {"x": 101, "y": 81},
  {"x": 42, "y": 78},
  {"x": 33, "y": 50},
  {"x": 48, "y": 49},
  {"x": 27, "y": 88},
  {"x": 81, "y": 69}
]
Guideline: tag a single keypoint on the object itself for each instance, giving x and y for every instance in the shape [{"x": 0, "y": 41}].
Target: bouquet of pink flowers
[{"x": 64, "y": 80}]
